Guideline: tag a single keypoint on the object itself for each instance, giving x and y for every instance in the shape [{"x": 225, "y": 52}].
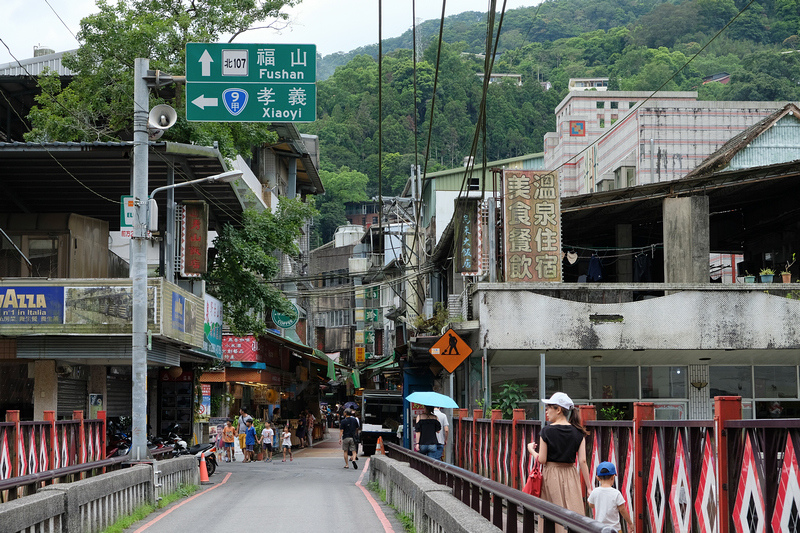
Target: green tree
[
  {"x": 98, "y": 103},
  {"x": 247, "y": 259},
  {"x": 341, "y": 186}
]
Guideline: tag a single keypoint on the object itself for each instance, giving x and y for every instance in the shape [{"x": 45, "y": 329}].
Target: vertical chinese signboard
[
  {"x": 468, "y": 238},
  {"x": 194, "y": 239},
  {"x": 532, "y": 226}
]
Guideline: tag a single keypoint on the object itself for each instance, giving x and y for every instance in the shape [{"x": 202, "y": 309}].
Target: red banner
[{"x": 240, "y": 348}]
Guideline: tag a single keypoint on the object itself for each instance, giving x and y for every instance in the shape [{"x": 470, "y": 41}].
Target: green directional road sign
[{"x": 251, "y": 82}]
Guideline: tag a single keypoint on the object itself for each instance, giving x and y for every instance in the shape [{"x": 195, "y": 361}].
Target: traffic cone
[
  {"x": 203, "y": 470},
  {"x": 379, "y": 446}
]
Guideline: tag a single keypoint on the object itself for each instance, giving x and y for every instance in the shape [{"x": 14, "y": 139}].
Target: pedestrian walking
[
  {"x": 560, "y": 442},
  {"x": 249, "y": 441},
  {"x": 443, "y": 434},
  {"x": 607, "y": 502},
  {"x": 265, "y": 441},
  {"x": 228, "y": 436},
  {"x": 286, "y": 437},
  {"x": 300, "y": 431},
  {"x": 241, "y": 428},
  {"x": 310, "y": 421},
  {"x": 348, "y": 430},
  {"x": 425, "y": 429}
]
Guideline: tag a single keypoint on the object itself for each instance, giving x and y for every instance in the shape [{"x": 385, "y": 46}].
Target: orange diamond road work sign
[{"x": 450, "y": 350}]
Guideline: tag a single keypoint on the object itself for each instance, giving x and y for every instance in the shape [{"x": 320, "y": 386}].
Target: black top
[
  {"x": 349, "y": 427},
  {"x": 563, "y": 442},
  {"x": 427, "y": 428}
]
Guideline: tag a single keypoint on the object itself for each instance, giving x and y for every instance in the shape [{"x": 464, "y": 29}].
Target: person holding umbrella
[{"x": 426, "y": 427}]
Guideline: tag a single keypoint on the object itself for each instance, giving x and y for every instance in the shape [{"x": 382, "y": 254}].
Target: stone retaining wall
[{"x": 91, "y": 505}]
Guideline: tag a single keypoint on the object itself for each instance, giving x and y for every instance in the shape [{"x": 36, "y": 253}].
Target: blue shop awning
[{"x": 252, "y": 365}]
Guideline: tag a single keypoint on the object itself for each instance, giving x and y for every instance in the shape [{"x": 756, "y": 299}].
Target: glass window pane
[
  {"x": 572, "y": 380},
  {"x": 776, "y": 409},
  {"x": 776, "y": 381},
  {"x": 43, "y": 254},
  {"x": 615, "y": 382},
  {"x": 526, "y": 376},
  {"x": 664, "y": 382},
  {"x": 730, "y": 381}
]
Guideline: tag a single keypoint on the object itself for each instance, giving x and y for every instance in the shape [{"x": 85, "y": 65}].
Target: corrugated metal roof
[
  {"x": 721, "y": 159},
  {"x": 778, "y": 144},
  {"x": 36, "y": 65},
  {"x": 90, "y": 178}
]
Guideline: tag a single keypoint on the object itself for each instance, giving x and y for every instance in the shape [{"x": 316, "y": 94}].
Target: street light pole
[
  {"x": 138, "y": 253},
  {"x": 138, "y": 261}
]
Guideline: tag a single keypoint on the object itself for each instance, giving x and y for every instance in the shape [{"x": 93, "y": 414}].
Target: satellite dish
[{"x": 162, "y": 117}]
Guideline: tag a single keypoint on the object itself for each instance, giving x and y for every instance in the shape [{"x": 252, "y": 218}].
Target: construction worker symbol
[{"x": 450, "y": 350}]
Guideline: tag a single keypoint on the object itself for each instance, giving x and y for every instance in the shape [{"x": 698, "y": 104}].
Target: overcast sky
[{"x": 333, "y": 25}]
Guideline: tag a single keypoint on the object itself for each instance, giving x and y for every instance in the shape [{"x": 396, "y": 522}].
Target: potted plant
[
  {"x": 748, "y": 277},
  {"x": 786, "y": 274},
  {"x": 766, "y": 275}
]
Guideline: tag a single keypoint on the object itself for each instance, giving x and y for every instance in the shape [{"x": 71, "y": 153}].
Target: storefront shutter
[
  {"x": 119, "y": 396},
  {"x": 72, "y": 396}
]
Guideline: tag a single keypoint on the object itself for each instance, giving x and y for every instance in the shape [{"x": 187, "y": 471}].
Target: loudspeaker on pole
[{"x": 162, "y": 117}]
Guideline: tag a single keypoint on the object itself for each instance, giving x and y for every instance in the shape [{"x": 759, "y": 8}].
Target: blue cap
[{"x": 606, "y": 469}]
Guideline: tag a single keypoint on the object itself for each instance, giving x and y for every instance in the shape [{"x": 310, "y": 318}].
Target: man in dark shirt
[{"x": 348, "y": 428}]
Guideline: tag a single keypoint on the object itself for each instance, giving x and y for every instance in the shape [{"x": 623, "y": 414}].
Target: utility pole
[{"x": 138, "y": 261}]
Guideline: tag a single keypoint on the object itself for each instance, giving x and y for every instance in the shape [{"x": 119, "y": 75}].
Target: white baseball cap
[{"x": 560, "y": 399}]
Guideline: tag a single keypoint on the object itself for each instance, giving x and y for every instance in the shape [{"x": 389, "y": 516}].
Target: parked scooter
[
  {"x": 179, "y": 446},
  {"x": 118, "y": 442},
  {"x": 208, "y": 451}
]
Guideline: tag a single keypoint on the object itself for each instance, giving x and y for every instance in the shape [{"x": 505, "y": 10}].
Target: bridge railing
[
  {"x": 506, "y": 508},
  {"x": 29, "y": 448},
  {"x": 726, "y": 474}
]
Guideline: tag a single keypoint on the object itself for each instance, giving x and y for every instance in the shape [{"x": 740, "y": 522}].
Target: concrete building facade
[{"x": 617, "y": 139}]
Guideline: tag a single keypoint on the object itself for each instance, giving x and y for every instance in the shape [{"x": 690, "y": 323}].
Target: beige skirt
[{"x": 562, "y": 486}]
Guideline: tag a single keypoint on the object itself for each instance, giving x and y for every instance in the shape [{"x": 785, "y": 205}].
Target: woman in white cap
[{"x": 560, "y": 442}]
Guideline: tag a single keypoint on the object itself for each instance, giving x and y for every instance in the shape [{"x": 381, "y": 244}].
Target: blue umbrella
[
  {"x": 432, "y": 398},
  {"x": 351, "y": 405}
]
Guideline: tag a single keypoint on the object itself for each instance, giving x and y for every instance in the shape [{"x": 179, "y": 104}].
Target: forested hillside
[{"x": 640, "y": 46}]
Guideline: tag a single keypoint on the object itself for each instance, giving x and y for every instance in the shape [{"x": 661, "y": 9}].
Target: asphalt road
[{"x": 313, "y": 493}]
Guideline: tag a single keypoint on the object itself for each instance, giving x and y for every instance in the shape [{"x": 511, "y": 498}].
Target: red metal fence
[
  {"x": 719, "y": 475},
  {"x": 32, "y": 447}
]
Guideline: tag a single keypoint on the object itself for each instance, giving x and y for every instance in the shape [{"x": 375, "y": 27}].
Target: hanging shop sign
[
  {"x": 194, "y": 239},
  {"x": 286, "y": 321},
  {"x": 532, "y": 223},
  {"x": 467, "y": 238}
]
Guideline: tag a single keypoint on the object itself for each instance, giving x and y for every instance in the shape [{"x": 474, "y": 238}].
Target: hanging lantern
[{"x": 175, "y": 372}]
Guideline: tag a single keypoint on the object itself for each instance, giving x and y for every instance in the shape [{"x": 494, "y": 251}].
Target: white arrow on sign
[
  {"x": 202, "y": 102},
  {"x": 206, "y": 61}
]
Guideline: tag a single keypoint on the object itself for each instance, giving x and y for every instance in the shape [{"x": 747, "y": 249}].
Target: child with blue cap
[{"x": 607, "y": 502}]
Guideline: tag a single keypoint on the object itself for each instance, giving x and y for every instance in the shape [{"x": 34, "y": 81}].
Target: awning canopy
[{"x": 382, "y": 363}]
